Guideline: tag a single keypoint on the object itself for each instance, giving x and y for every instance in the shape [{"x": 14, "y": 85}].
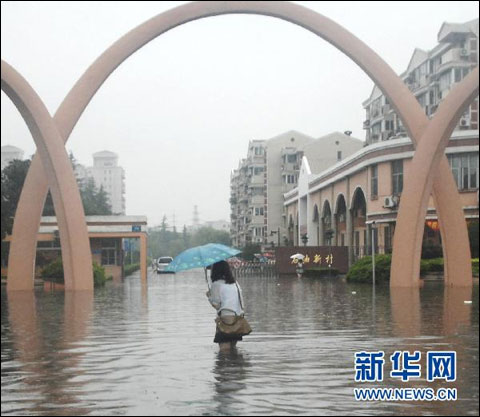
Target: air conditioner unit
[
  {"x": 390, "y": 202},
  {"x": 465, "y": 121}
]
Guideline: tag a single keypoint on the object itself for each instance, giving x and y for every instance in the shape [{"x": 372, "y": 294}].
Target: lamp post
[
  {"x": 329, "y": 234},
  {"x": 373, "y": 252}
]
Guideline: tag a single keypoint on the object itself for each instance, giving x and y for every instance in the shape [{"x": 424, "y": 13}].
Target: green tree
[
  {"x": 95, "y": 201},
  {"x": 13, "y": 177}
]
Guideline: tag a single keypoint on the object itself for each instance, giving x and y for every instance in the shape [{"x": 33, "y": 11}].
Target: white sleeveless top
[{"x": 226, "y": 297}]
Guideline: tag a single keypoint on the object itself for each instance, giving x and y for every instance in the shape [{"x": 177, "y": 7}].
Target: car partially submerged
[{"x": 162, "y": 263}]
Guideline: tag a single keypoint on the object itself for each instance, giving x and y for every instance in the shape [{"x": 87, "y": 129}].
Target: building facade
[
  {"x": 108, "y": 174},
  {"x": 271, "y": 169},
  {"x": 429, "y": 76},
  {"x": 359, "y": 197},
  {"x": 9, "y": 153}
]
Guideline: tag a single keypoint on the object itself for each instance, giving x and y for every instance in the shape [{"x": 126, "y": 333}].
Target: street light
[
  {"x": 329, "y": 234},
  {"x": 373, "y": 252}
]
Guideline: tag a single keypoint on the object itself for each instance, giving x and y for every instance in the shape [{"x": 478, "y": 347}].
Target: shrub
[
  {"x": 54, "y": 272},
  {"x": 130, "y": 269},
  {"x": 475, "y": 266},
  {"x": 320, "y": 272},
  {"x": 361, "y": 271}
]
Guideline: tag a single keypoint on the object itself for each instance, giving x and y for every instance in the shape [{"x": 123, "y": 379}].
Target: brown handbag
[{"x": 238, "y": 327}]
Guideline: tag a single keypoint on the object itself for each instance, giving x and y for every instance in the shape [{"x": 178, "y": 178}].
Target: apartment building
[
  {"x": 338, "y": 206},
  {"x": 9, "y": 153},
  {"x": 355, "y": 202},
  {"x": 271, "y": 169},
  {"x": 107, "y": 173},
  {"x": 430, "y": 75}
]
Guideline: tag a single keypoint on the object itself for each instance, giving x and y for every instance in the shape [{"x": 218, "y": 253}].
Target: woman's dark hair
[{"x": 221, "y": 270}]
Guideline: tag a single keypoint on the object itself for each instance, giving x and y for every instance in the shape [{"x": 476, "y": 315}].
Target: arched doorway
[
  {"x": 359, "y": 217},
  {"x": 328, "y": 233},
  {"x": 316, "y": 226},
  {"x": 341, "y": 221}
]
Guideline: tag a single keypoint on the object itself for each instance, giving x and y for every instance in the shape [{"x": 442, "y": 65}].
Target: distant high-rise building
[
  {"x": 107, "y": 174},
  {"x": 9, "y": 153},
  {"x": 271, "y": 169}
]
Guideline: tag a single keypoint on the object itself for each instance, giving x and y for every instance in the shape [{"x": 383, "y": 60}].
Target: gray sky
[{"x": 180, "y": 112}]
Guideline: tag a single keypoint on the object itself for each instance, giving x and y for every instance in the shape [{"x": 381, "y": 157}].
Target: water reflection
[
  {"x": 405, "y": 304},
  {"x": 49, "y": 365},
  {"x": 140, "y": 349},
  {"x": 230, "y": 373}
]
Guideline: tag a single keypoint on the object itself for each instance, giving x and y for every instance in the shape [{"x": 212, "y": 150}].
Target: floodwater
[{"x": 133, "y": 349}]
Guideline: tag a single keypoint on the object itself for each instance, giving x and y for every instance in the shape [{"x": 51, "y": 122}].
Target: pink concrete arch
[
  {"x": 402, "y": 100},
  {"x": 58, "y": 171},
  {"x": 429, "y": 154}
]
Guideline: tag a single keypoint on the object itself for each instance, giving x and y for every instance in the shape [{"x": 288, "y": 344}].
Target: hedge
[
  {"x": 54, "y": 272},
  {"x": 361, "y": 271},
  {"x": 130, "y": 269}
]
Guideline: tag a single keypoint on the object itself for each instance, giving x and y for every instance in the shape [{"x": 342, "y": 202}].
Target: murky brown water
[{"x": 132, "y": 350}]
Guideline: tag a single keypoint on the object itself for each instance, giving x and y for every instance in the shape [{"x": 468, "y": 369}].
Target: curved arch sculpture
[
  {"x": 429, "y": 155},
  {"x": 76, "y": 256},
  {"x": 402, "y": 100}
]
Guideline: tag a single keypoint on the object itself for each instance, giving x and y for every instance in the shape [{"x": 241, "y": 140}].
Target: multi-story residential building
[
  {"x": 338, "y": 206},
  {"x": 107, "y": 174},
  {"x": 9, "y": 153},
  {"x": 430, "y": 76},
  {"x": 271, "y": 169}
]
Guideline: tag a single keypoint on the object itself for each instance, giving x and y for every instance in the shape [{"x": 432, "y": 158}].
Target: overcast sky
[{"x": 180, "y": 112}]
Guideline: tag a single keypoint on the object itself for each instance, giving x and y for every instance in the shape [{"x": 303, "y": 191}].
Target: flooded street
[{"x": 131, "y": 349}]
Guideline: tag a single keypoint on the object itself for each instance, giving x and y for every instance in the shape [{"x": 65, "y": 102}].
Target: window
[
  {"x": 258, "y": 151},
  {"x": 388, "y": 239},
  {"x": 292, "y": 158},
  {"x": 374, "y": 181},
  {"x": 257, "y": 170},
  {"x": 465, "y": 170},
  {"x": 397, "y": 177},
  {"x": 258, "y": 211},
  {"x": 339, "y": 155},
  {"x": 109, "y": 252},
  {"x": 290, "y": 179}
]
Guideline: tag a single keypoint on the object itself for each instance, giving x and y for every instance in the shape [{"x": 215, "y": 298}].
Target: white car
[{"x": 162, "y": 263}]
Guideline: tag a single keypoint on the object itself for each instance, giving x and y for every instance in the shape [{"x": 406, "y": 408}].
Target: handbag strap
[
  {"x": 239, "y": 296},
  {"x": 229, "y": 309}
]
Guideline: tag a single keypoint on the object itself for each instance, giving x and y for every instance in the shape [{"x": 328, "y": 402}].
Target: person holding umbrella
[
  {"x": 225, "y": 295},
  {"x": 298, "y": 260}
]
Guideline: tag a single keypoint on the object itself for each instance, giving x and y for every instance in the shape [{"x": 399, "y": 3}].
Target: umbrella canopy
[
  {"x": 201, "y": 256},
  {"x": 297, "y": 256}
]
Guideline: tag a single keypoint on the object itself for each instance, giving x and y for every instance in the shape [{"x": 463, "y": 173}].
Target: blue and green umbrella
[{"x": 201, "y": 257}]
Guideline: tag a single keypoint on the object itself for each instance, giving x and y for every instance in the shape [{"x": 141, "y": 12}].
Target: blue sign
[{"x": 136, "y": 228}]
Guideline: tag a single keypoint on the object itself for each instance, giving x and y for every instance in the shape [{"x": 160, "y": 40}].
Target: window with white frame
[
  {"x": 465, "y": 170},
  {"x": 397, "y": 177}
]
